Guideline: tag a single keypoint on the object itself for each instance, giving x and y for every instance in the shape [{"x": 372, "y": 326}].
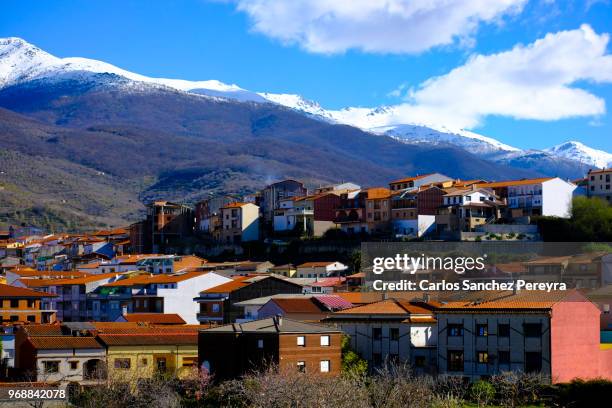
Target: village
[{"x": 80, "y": 308}]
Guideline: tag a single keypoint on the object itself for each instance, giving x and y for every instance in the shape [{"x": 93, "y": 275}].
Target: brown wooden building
[{"x": 232, "y": 350}]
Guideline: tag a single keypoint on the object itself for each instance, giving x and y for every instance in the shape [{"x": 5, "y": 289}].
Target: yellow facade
[{"x": 134, "y": 362}]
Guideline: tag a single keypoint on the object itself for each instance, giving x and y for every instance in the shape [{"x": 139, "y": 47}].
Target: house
[
  {"x": 320, "y": 269},
  {"x": 47, "y": 353},
  {"x": 146, "y": 293},
  {"x": 378, "y": 210},
  {"x": 233, "y": 350},
  {"x": 207, "y": 213},
  {"x": 135, "y": 353},
  {"x": 530, "y": 331},
  {"x": 599, "y": 184},
  {"x": 251, "y": 307},
  {"x": 303, "y": 308},
  {"x": 166, "y": 225},
  {"x": 240, "y": 223},
  {"x": 577, "y": 271},
  {"x": 466, "y": 208},
  {"x": 418, "y": 181},
  {"x": 311, "y": 215},
  {"x": 549, "y": 196},
  {"x": 397, "y": 330},
  {"x": 287, "y": 270},
  {"x": 325, "y": 285},
  {"x": 218, "y": 304},
  {"x": 7, "y": 351},
  {"x": 351, "y": 213},
  {"x": 68, "y": 297},
  {"x": 20, "y": 305},
  {"x": 275, "y": 192}
]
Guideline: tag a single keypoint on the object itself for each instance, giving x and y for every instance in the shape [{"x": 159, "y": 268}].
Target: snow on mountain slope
[
  {"x": 21, "y": 61},
  {"x": 578, "y": 151}
]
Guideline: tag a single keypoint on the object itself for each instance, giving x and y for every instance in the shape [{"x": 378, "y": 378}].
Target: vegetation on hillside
[{"x": 590, "y": 221}]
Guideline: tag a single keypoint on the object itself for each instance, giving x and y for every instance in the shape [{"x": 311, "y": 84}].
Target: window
[
  {"x": 73, "y": 365},
  {"x": 419, "y": 361},
  {"x": 455, "y": 330},
  {"x": 31, "y": 304},
  {"x": 31, "y": 318},
  {"x": 394, "y": 333},
  {"x": 123, "y": 363},
  {"x": 376, "y": 333},
  {"x": 324, "y": 341},
  {"x": 482, "y": 330},
  {"x": 533, "y": 362},
  {"x": 455, "y": 360},
  {"x": 161, "y": 364},
  {"x": 503, "y": 330},
  {"x": 216, "y": 308},
  {"x": 301, "y": 366},
  {"x": 532, "y": 329},
  {"x": 301, "y": 341},
  {"x": 483, "y": 357},
  {"x": 503, "y": 357},
  {"x": 144, "y": 362},
  {"x": 14, "y": 303},
  {"x": 51, "y": 366},
  {"x": 14, "y": 318},
  {"x": 260, "y": 344},
  {"x": 325, "y": 366}
]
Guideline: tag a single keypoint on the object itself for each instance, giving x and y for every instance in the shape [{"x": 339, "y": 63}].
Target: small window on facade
[
  {"x": 483, "y": 357},
  {"x": 394, "y": 333},
  {"x": 325, "y": 366},
  {"x": 455, "y": 330},
  {"x": 215, "y": 308},
  {"x": 482, "y": 330},
  {"x": 301, "y": 366},
  {"x": 260, "y": 343},
  {"x": 123, "y": 363},
  {"x": 455, "y": 360},
  {"x": 503, "y": 330},
  {"x": 376, "y": 333},
  {"x": 301, "y": 341},
  {"x": 144, "y": 362},
  {"x": 51, "y": 366},
  {"x": 532, "y": 329},
  {"x": 74, "y": 365},
  {"x": 325, "y": 340}
]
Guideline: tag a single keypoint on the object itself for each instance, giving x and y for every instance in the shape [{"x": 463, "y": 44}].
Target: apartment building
[
  {"x": 351, "y": 213},
  {"x": 393, "y": 330},
  {"x": 598, "y": 184},
  {"x": 464, "y": 209},
  {"x": 378, "y": 210},
  {"x": 550, "y": 196},
  {"x": 275, "y": 192},
  {"x": 165, "y": 225},
  {"x": 530, "y": 331},
  {"x": 311, "y": 215},
  {"x": 20, "y": 305},
  {"x": 233, "y": 350},
  {"x": 207, "y": 211},
  {"x": 218, "y": 304},
  {"x": 146, "y": 293},
  {"x": 239, "y": 223},
  {"x": 418, "y": 181}
]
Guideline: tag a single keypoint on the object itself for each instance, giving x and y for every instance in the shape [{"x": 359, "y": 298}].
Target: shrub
[{"x": 482, "y": 392}]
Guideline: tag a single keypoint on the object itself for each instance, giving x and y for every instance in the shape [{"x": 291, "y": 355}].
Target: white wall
[
  {"x": 180, "y": 300},
  {"x": 557, "y": 197}
]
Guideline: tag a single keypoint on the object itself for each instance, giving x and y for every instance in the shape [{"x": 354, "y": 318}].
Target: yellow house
[{"x": 141, "y": 354}]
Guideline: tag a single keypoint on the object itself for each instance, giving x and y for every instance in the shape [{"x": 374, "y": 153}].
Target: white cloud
[
  {"x": 387, "y": 26},
  {"x": 537, "y": 81}
]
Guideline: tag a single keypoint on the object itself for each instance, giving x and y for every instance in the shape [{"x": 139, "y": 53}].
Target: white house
[
  {"x": 319, "y": 269},
  {"x": 548, "y": 196}
]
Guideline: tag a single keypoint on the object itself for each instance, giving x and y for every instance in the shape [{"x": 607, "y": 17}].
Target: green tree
[{"x": 352, "y": 363}]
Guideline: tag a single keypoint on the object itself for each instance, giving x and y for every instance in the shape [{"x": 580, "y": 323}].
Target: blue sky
[{"x": 351, "y": 60}]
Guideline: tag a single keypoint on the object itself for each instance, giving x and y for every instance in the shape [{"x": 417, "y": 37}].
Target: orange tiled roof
[
  {"x": 507, "y": 183},
  {"x": 234, "y": 205},
  {"x": 378, "y": 193},
  {"x": 43, "y": 330},
  {"x": 155, "y": 279},
  {"x": 67, "y": 281},
  {"x": 188, "y": 261},
  {"x": 155, "y": 318},
  {"x": 8, "y": 291},
  {"x": 298, "y": 305},
  {"x": 64, "y": 342},
  {"x": 237, "y": 283},
  {"x": 412, "y": 178},
  {"x": 315, "y": 264},
  {"x": 503, "y": 300},
  {"x": 398, "y": 307},
  {"x": 142, "y": 339}
]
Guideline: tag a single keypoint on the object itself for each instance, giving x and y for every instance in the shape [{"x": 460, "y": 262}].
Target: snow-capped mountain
[
  {"x": 21, "y": 62},
  {"x": 578, "y": 151}
]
